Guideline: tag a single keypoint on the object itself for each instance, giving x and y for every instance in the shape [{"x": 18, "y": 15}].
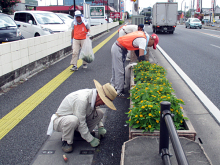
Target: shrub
[
  {"x": 151, "y": 88},
  {"x": 121, "y": 22}
]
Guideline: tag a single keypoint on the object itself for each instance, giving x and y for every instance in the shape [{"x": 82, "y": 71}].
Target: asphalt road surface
[{"x": 197, "y": 53}]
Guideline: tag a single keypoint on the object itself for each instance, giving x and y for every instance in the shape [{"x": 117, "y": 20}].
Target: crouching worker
[{"x": 78, "y": 112}]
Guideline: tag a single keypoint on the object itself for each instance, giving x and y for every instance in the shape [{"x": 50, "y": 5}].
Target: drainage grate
[
  {"x": 48, "y": 151},
  {"x": 87, "y": 152}
]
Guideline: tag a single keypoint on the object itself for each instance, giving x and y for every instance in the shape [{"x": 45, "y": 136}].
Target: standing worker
[
  {"x": 80, "y": 28},
  {"x": 78, "y": 112},
  {"x": 134, "y": 41}
]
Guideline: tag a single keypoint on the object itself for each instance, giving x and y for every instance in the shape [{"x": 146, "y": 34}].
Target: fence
[{"x": 167, "y": 129}]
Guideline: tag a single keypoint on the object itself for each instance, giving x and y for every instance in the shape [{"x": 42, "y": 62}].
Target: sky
[{"x": 147, "y": 3}]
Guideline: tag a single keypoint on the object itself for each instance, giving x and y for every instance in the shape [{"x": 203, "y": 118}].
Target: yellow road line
[{"x": 9, "y": 121}]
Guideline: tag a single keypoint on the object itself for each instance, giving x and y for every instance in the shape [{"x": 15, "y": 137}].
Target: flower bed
[{"x": 150, "y": 89}]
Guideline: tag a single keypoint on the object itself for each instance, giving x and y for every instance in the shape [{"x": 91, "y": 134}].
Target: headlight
[
  {"x": 18, "y": 33},
  {"x": 47, "y": 29}
]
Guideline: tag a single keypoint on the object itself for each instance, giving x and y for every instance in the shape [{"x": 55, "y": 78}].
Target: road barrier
[{"x": 167, "y": 129}]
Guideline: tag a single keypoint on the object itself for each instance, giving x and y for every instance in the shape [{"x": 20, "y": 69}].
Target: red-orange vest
[
  {"x": 80, "y": 31},
  {"x": 127, "y": 40}
]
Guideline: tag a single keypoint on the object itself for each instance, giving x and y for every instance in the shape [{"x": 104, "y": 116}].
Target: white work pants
[
  {"x": 118, "y": 68},
  {"x": 68, "y": 124},
  {"x": 77, "y": 45}
]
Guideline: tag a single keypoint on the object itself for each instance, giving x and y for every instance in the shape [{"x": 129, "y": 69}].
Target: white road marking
[
  {"x": 215, "y": 46},
  {"x": 213, "y": 110}
]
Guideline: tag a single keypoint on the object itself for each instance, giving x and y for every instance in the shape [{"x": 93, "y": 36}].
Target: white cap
[{"x": 78, "y": 13}]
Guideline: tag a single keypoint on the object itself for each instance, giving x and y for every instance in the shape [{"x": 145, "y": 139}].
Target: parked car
[
  {"x": 147, "y": 20},
  {"x": 206, "y": 20},
  {"x": 193, "y": 23},
  {"x": 9, "y": 30},
  {"x": 38, "y": 23},
  {"x": 67, "y": 19},
  {"x": 217, "y": 21}
]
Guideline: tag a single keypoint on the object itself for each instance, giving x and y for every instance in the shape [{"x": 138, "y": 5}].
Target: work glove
[
  {"x": 88, "y": 34},
  {"x": 101, "y": 131},
  {"x": 71, "y": 41},
  {"x": 141, "y": 58},
  {"x": 95, "y": 142}
]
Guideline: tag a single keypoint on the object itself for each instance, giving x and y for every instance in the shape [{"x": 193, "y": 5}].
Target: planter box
[{"x": 189, "y": 131}]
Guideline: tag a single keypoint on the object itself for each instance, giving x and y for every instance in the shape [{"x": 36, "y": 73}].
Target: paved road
[
  {"x": 22, "y": 143},
  {"x": 191, "y": 49},
  {"x": 196, "y": 51}
]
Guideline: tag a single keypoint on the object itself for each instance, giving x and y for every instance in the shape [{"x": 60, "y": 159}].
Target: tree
[{"x": 7, "y": 5}]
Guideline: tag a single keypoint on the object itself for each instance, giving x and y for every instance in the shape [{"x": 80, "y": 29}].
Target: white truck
[{"x": 164, "y": 17}]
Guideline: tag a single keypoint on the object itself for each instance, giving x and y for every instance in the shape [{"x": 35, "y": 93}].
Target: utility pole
[{"x": 74, "y": 3}]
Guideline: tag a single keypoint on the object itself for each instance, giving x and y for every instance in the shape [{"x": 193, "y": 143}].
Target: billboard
[{"x": 97, "y": 11}]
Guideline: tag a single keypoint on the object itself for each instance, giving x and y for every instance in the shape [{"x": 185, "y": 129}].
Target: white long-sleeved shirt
[{"x": 79, "y": 103}]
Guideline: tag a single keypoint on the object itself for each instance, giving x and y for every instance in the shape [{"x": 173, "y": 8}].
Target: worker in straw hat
[{"x": 79, "y": 112}]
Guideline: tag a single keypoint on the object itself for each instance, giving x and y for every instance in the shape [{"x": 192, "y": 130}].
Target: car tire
[
  {"x": 186, "y": 26},
  {"x": 37, "y": 35},
  {"x": 200, "y": 27}
]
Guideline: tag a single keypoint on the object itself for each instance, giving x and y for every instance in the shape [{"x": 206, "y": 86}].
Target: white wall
[
  {"x": 14, "y": 55},
  {"x": 17, "y": 54}
]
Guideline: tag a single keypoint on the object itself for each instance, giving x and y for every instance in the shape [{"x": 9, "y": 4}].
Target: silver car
[{"x": 193, "y": 23}]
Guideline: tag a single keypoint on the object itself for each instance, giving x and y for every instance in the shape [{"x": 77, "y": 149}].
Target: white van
[{"x": 38, "y": 23}]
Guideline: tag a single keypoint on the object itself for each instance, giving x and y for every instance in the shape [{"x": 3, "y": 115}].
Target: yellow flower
[
  {"x": 171, "y": 110},
  {"x": 157, "y": 121},
  {"x": 149, "y": 126},
  {"x": 150, "y": 106},
  {"x": 149, "y": 114},
  {"x": 177, "y": 111},
  {"x": 136, "y": 115},
  {"x": 140, "y": 127},
  {"x": 141, "y": 115},
  {"x": 181, "y": 121},
  {"x": 129, "y": 119},
  {"x": 182, "y": 115},
  {"x": 143, "y": 107},
  {"x": 159, "y": 111},
  {"x": 137, "y": 122},
  {"x": 129, "y": 111},
  {"x": 146, "y": 88},
  {"x": 141, "y": 101},
  {"x": 181, "y": 107}
]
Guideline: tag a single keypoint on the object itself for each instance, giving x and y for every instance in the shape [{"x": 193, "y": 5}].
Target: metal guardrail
[{"x": 167, "y": 129}]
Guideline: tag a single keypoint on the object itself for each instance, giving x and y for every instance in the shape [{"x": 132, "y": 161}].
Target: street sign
[
  {"x": 97, "y": 11},
  {"x": 31, "y": 2}
]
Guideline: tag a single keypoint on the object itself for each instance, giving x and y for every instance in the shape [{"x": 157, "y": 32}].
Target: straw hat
[{"x": 107, "y": 93}]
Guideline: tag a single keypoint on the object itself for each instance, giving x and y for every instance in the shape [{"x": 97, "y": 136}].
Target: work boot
[
  {"x": 67, "y": 147},
  {"x": 84, "y": 66},
  {"x": 74, "y": 68}
]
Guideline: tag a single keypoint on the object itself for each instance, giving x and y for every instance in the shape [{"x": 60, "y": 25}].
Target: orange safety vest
[
  {"x": 80, "y": 32},
  {"x": 127, "y": 40},
  {"x": 121, "y": 27}
]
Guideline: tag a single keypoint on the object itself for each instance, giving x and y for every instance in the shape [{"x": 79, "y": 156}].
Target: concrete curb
[{"x": 213, "y": 110}]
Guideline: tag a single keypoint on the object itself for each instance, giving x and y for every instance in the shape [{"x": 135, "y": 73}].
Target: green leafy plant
[
  {"x": 151, "y": 88},
  {"x": 121, "y": 22}
]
